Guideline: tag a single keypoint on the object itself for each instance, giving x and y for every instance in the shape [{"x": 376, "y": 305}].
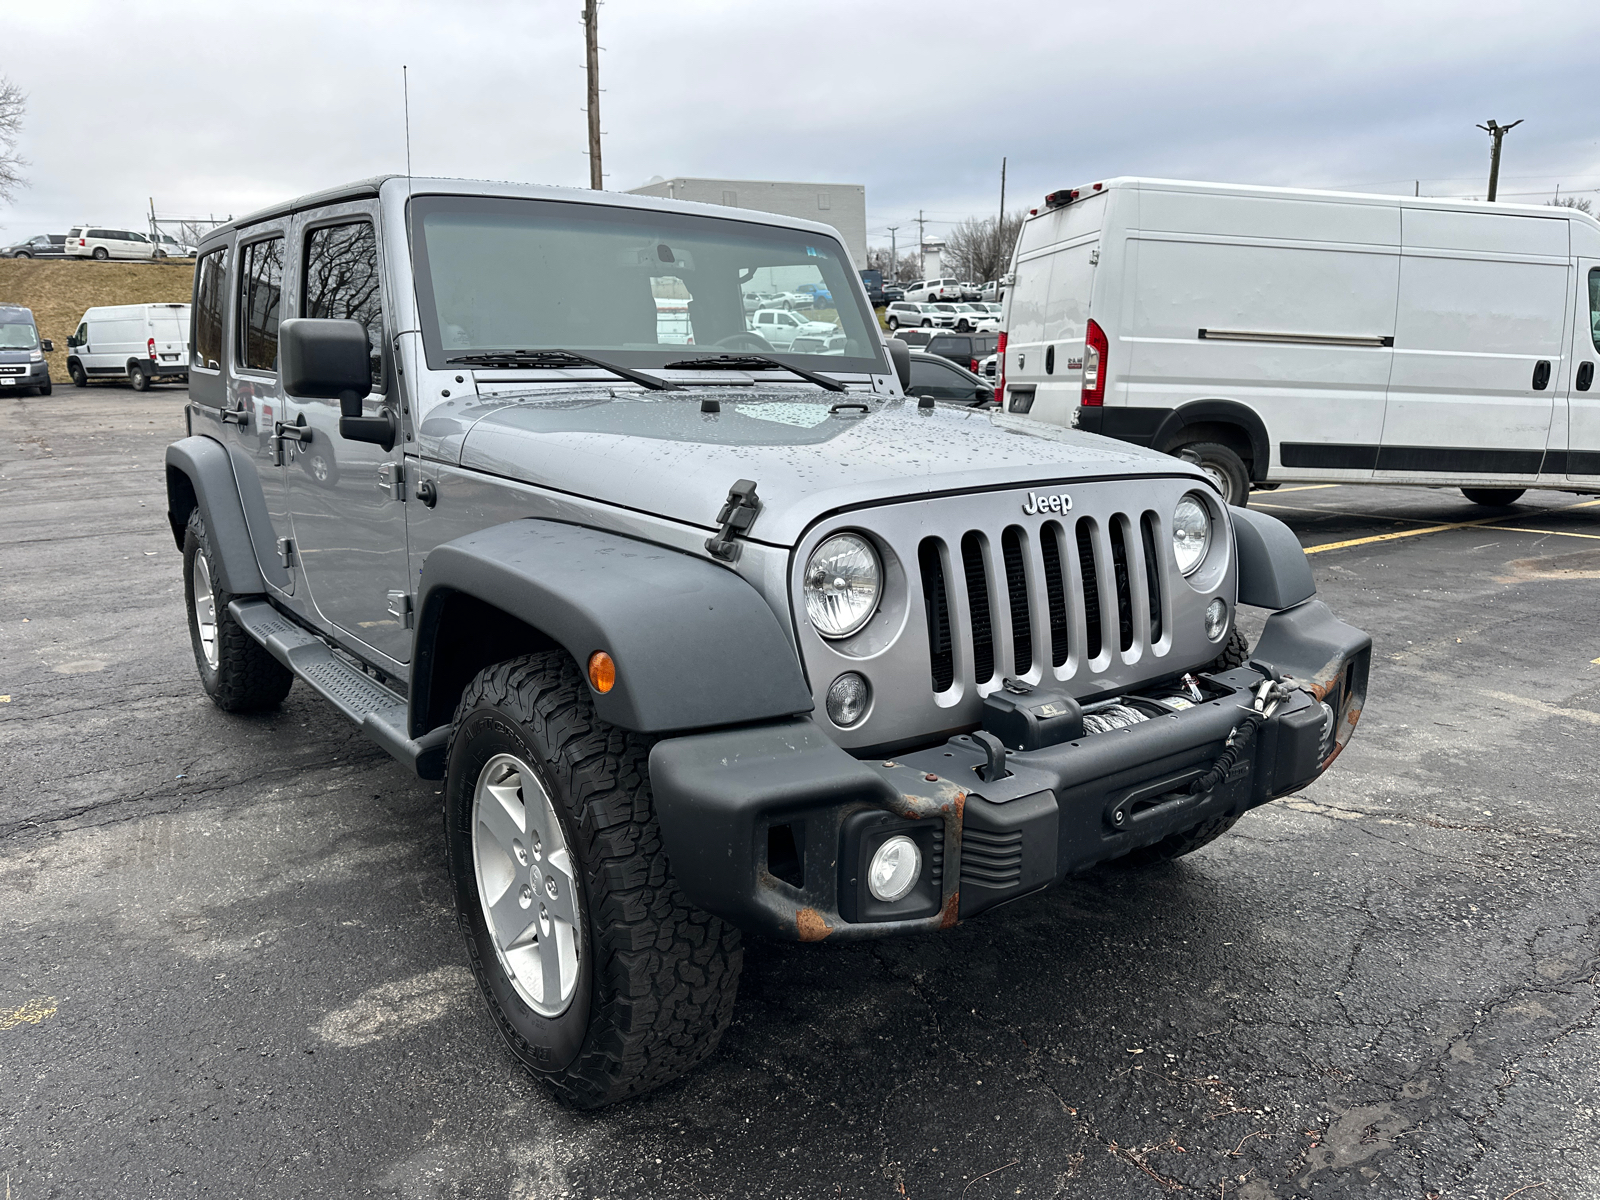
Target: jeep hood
[{"x": 809, "y": 452}]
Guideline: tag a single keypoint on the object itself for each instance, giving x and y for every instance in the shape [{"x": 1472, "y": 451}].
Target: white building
[{"x": 842, "y": 205}]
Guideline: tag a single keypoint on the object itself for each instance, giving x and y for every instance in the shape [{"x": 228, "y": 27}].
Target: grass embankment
[{"x": 58, "y": 290}]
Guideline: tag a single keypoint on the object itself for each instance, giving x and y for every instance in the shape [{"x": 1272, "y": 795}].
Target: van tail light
[
  {"x": 81, "y": 242},
  {"x": 152, "y": 344},
  {"x": 1000, "y": 369},
  {"x": 1095, "y": 348}
]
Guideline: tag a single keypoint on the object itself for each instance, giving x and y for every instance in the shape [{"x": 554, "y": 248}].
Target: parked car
[
  {"x": 22, "y": 365},
  {"x": 94, "y": 241},
  {"x": 964, "y": 349},
  {"x": 168, "y": 246},
  {"x": 1300, "y": 336},
  {"x": 971, "y": 291},
  {"x": 987, "y": 369},
  {"x": 649, "y": 740},
  {"x": 139, "y": 343},
  {"x": 816, "y": 343},
  {"x": 879, "y": 292},
  {"x": 44, "y": 245},
  {"x": 970, "y": 316},
  {"x": 903, "y": 312},
  {"x": 893, "y": 292},
  {"x": 780, "y": 326},
  {"x": 927, "y": 291},
  {"x": 821, "y": 297},
  {"x": 992, "y": 291},
  {"x": 938, "y": 378},
  {"x": 917, "y": 338}
]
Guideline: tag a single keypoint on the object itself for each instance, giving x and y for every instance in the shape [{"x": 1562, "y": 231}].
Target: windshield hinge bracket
[{"x": 735, "y": 519}]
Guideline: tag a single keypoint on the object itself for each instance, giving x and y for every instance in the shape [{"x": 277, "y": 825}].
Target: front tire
[
  {"x": 44, "y": 389},
  {"x": 1493, "y": 497},
  {"x": 599, "y": 974},
  {"x": 893, "y": 323},
  {"x": 236, "y": 670},
  {"x": 22, "y": 254},
  {"x": 80, "y": 377}
]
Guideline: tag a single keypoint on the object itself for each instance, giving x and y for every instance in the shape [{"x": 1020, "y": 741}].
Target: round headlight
[
  {"x": 1191, "y": 533},
  {"x": 894, "y": 869},
  {"x": 847, "y": 699},
  {"x": 841, "y": 585}
]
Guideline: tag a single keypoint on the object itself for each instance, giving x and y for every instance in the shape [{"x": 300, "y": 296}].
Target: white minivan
[
  {"x": 1274, "y": 334},
  {"x": 139, "y": 343},
  {"x": 95, "y": 241}
]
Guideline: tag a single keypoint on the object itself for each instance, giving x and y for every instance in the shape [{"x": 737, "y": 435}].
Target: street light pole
[
  {"x": 591, "y": 44},
  {"x": 1497, "y": 133}
]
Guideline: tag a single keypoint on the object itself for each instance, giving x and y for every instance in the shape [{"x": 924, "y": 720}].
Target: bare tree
[
  {"x": 12, "y": 105},
  {"x": 979, "y": 248},
  {"x": 1582, "y": 205},
  {"x": 906, "y": 269}
]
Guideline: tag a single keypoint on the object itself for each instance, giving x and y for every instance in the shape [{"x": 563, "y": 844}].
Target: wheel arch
[
  {"x": 1227, "y": 421},
  {"x": 695, "y": 645},
  {"x": 200, "y": 475}
]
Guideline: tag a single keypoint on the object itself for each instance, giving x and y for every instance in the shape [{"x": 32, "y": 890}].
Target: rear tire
[
  {"x": 1226, "y": 469},
  {"x": 1493, "y": 497},
  {"x": 137, "y": 377},
  {"x": 893, "y": 323},
  {"x": 235, "y": 669},
  {"x": 654, "y": 980},
  {"x": 100, "y": 254}
]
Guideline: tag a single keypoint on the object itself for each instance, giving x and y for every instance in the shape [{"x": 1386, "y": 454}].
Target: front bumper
[
  {"x": 33, "y": 374},
  {"x": 771, "y": 826}
]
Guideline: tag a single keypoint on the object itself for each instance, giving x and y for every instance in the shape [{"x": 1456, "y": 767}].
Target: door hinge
[
  {"x": 286, "y": 552},
  {"x": 282, "y": 433},
  {"x": 400, "y": 607},
  {"x": 736, "y": 517},
  {"x": 392, "y": 480}
]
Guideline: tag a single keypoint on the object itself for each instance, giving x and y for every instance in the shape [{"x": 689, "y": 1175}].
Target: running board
[{"x": 376, "y": 710}]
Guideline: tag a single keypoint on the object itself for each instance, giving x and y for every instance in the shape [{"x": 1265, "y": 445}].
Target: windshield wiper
[
  {"x": 738, "y": 362},
  {"x": 561, "y": 358}
]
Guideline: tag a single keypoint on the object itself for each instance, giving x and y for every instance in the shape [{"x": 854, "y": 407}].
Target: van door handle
[
  {"x": 1541, "y": 374},
  {"x": 1585, "y": 376}
]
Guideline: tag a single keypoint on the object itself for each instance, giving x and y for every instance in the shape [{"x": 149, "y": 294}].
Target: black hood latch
[{"x": 736, "y": 517}]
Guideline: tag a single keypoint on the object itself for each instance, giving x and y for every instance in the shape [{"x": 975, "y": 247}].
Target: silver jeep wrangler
[{"x": 704, "y": 634}]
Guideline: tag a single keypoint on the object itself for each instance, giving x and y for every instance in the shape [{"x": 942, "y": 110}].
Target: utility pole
[
  {"x": 1000, "y": 229},
  {"x": 591, "y": 44},
  {"x": 921, "y": 237},
  {"x": 1497, "y": 132},
  {"x": 894, "y": 256}
]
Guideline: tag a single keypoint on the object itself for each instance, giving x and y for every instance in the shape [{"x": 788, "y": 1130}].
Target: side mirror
[
  {"x": 48, "y": 346},
  {"x": 900, "y": 356},
  {"x": 332, "y": 360},
  {"x": 986, "y": 395}
]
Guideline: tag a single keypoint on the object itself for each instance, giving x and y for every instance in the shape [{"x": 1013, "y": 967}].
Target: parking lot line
[
  {"x": 1337, "y": 512},
  {"x": 1308, "y": 487},
  {"x": 1405, "y": 533},
  {"x": 1551, "y": 532}
]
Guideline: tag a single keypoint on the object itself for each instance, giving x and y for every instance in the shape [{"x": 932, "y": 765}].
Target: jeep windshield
[{"x": 506, "y": 279}]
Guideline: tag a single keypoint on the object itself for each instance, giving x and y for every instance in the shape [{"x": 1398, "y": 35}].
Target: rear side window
[
  {"x": 210, "y": 286},
  {"x": 342, "y": 282},
  {"x": 260, "y": 297},
  {"x": 1594, "y": 306}
]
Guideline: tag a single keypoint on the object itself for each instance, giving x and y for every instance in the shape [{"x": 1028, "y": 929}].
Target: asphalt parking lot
[{"x": 229, "y": 965}]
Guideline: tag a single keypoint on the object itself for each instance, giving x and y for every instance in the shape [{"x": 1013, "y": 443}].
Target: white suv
[
  {"x": 929, "y": 290},
  {"x": 94, "y": 241}
]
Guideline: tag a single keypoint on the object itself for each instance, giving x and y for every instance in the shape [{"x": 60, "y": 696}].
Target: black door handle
[
  {"x": 1541, "y": 374},
  {"x": 1585, "y": 376}
]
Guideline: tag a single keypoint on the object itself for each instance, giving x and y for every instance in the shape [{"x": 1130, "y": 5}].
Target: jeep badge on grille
[{"x": 1036, "y": 503}]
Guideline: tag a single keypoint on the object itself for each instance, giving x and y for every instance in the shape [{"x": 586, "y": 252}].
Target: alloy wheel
[{"x": 205, "y": 609}]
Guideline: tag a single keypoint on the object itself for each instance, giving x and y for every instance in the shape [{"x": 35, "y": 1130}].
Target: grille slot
[
  {"x": 977, "y": 572},
  {"x": 991, "y": 859},
  {"x": 1093, "y": 642},
  {"x": 1124, "y": 583},
  {"x": 1152, "y": 572},
  {"x": 936, "y": 600},
  {"x": 1055, "y": 592},
  {"x": 1017, "y": 593}
]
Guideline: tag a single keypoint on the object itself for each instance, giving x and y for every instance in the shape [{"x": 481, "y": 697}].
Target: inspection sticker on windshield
[
  {"x": 805, "y": 416},
  {"x": 811, "y": 251}
]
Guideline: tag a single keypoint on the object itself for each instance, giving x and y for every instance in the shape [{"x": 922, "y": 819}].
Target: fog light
[
  {"x": 1217, "y": 619},
  {"x": 894, "y": 869},
  {"x": 847, "y": 699}
]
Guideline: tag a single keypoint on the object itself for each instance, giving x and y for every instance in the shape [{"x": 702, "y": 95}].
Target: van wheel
[
  {"x": 44, "y": 390},
  {"x": 100, "y": 254},
  {"x": 80, "y": 378},
  {"x": 1225, "y": 468},
  {"x": 235, "y": 669},
  {"x": 137, "y": 377},
  {"x": 600, "y": 975},
  {"x": 1493, "y": 497}
]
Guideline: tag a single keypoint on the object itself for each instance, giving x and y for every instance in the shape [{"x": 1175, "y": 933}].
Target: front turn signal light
[{"x": 602, "y": 672}]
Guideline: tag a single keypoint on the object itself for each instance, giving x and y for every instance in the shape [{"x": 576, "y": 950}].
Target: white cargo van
[
  {"x": 139, "y": 343},
  {"x": 1277, "y": 334}
]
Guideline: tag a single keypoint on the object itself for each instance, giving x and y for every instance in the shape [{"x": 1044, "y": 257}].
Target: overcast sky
[{"x": 221, "y": 107}]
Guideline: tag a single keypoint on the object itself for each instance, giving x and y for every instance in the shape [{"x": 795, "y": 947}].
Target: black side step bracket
[{"x": 379, "y": 712}]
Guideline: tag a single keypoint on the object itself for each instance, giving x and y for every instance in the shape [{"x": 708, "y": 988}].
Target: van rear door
[{"x": 1478, "y": 346}]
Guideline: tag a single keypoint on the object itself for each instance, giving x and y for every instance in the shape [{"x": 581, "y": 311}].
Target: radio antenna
[{"x": 405, "y": 92}]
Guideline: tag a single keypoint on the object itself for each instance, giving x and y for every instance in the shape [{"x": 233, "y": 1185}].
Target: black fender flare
[
  {"x": 695, "y": 646},
  {"x": 200, "y": 474},
  {"x": 1220, "y": 412},
  {"x": 1274, "y": 571}
]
